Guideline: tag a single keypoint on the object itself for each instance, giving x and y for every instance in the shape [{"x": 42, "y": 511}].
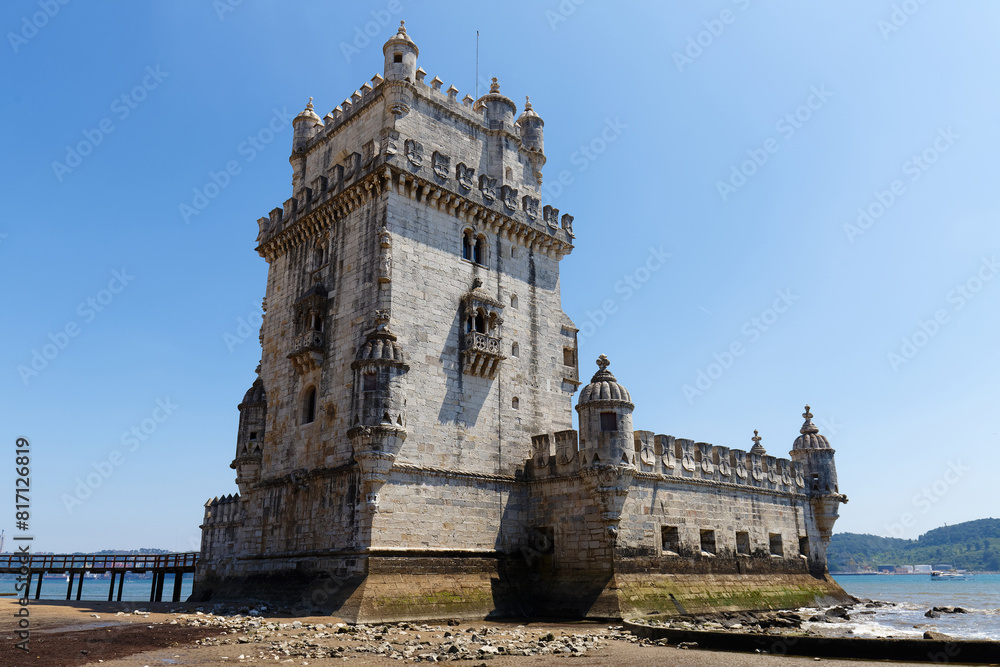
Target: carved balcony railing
[
  {"x": 307, "y": 351},
  {"x": 481, "y": 354}
]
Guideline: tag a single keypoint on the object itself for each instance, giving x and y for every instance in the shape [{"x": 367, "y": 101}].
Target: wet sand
[{"x": 67, "y": 634}]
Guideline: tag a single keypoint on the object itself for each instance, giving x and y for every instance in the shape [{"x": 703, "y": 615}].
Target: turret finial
[
  {"x": 527, "y": 103},
  {"x": 757, "y": 447},
  {"x": 808, "y": 426},
  {"x": 495, "y": 86},
  {"x": 402, "y": 28},
  {"x": 310, "y": 104},
  {"x": 603, "y": 363}
]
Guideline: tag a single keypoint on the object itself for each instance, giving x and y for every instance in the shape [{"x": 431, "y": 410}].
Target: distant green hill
[{"x": 973, "y": 545}]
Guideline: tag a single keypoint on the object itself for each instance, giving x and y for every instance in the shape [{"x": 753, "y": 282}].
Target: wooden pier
[{"x": 76, "y": 566}]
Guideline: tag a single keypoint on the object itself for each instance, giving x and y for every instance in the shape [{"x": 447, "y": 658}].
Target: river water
[{"x": 913, "y": 595}]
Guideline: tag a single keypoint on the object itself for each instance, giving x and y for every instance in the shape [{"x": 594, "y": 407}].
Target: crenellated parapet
[
  {"x": 492, "y": 183},
  {"x": 223, "y": 510},
  {"x": 681, "y": 458},
  {"x": 350, "y": 184}
]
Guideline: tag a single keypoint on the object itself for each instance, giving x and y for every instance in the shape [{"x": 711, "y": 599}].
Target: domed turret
[
  {"x": 378, "y": 422},
  {"x": 307, "y": 124},
  {"x": 499, "y": 109},
  {"x": 400, "y": 56},
  {"x": 250, "y": 436},
  {"x": 532, "y": 130},
  {"x": 605, "y": 410},
  {"x": 814, "y": 456},
  {"x": 810, "y": 437}
]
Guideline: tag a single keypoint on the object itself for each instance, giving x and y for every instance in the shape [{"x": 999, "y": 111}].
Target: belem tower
[{"x": 407, "y": 449}]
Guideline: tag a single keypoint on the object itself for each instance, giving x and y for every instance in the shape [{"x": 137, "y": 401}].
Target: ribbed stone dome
[
  {"x": 255, "y": 394},
  {"x": 811, "y": 437},
  {"x": 381, "y": 345},
  {"x": 603, "y": 386}
]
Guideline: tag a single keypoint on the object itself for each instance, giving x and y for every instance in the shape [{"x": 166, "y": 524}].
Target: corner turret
[
  {"x": 498, "y": 109},
  {"x": 605, "y": 409},
  {"x": 400, "y": 56},
  {"x": 532, "y": 131},
  {"x": 379, "y": 400},
  {"x": 307, "y": 124},
  {"x": 250, "y": 436},
  {"x": 812, "y": 452}
]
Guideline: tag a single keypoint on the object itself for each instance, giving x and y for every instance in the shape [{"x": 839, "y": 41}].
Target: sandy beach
[{"x": 67, "y": 634}]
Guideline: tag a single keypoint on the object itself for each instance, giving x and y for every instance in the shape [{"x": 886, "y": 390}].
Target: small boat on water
[{"x": 950, "y": 575}]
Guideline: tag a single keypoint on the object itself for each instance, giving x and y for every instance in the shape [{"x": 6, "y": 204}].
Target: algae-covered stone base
[{"x": 677, "y": 594}]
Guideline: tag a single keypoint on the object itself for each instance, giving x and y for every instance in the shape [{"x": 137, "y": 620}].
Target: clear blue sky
[{"x": 650, "y": 108}]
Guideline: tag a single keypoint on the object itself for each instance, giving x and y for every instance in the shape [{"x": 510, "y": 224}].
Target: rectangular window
[
  {"x": 609, "y": 421},
  {"x": 743, "y": 543},
  {"x": 708, "y": 542},
  {"x": 670, "y": 539},
  {"x": 569, "y": 359},
  {"x": 371, "y": 382},
  {"x": 777, "y": 549},
  {"x": 804, "y": 546}
]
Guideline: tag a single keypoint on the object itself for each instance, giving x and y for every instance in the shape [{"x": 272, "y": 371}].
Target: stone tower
[
  {"x": 413, "y": 338},
  {"x": 407, "y": 449}
]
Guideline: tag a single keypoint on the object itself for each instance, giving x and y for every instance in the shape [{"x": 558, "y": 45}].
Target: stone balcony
[
  {"x": 307, "y": 351},
  {"x": 571, "y": 375},
  {"x": 481, "y": 354}
]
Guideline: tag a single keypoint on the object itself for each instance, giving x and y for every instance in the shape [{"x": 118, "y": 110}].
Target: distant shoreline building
[{"x": 407, "y": 449}]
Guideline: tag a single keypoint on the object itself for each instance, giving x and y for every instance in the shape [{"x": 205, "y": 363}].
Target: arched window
[
  {"x": 315, "y": 322},
  {"x": 480, "y": 322},
  {"x": 479, "y": 251},
  {"x": 515, "y": 350},
  {"x": 470, "y": 324},
  {"x": 319, "y": 257},
  {"x": 515, "y": 403},
  {"x": 513, "y": 301},
  {"x": 309, "y": 406},
  {"x": 508, "y": 174},
  {"x": 467, "y": 245}
]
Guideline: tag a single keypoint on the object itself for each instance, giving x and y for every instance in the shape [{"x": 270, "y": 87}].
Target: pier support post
[
  {"x": 38, "y": 586},
  {"x": 121, "y": 582},
  {"x": 69, "y": 585},
  {"x": 152, "y": 588},
  {"x": 159, "y": 586},
  {"x": 178, "y": 582},
  {"x": 79, "y": 586},
  {"x": 111, "y": 590}
]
